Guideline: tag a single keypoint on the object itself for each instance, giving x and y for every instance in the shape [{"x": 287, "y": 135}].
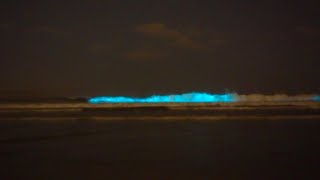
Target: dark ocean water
[{"x": 77, "y": 141}]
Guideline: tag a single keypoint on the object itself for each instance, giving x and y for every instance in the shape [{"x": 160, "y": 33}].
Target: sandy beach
[{"x": 210, "y": 142}]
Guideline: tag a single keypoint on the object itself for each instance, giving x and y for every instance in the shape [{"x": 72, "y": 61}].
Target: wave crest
[
  {"x": 200, "y": 97},
  {"x": 194, "y": 97}
]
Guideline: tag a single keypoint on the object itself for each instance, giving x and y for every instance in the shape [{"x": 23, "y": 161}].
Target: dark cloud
[
  {"x": 145, "y": 55},
  {"x": 158, "y": 30},
  {"x": 100, "y": 48},
  {"x": 186, "y": 42},
  {"x": 175, "y": 37}
]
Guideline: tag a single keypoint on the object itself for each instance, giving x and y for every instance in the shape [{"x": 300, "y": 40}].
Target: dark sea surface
[{"x": 160, "y": 141}]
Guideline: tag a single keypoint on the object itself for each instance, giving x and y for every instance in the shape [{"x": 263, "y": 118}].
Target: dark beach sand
[{"x": 248, "y": 144}]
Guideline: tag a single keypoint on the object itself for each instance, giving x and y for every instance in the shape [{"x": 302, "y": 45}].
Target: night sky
[{"x": 112, "y": 47}]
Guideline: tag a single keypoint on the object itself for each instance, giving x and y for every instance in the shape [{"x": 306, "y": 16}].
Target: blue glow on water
[
  {"x": 194, "y": 97},
  {"x": 316, "y": 98}
]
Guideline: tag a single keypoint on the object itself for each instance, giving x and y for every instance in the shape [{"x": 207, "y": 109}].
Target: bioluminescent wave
[
  {"x": 199, "y": 97},
  {"x": 316, "y": 98},
  {"x": 194, "y": 97}
]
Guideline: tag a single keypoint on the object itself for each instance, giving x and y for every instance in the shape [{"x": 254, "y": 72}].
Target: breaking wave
[
  {"x": 194, "y": 97},
  {"x": 200, "y": 97}
]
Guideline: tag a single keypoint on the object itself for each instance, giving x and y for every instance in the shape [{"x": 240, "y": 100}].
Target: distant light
[{"x": 194, "y": 97}]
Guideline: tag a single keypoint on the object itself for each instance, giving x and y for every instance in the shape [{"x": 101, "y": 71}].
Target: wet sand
[{"x": 259, "y": 143}]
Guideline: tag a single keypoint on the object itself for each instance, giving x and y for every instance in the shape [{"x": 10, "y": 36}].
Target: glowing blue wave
[
  {"x": 176, "y": 98},
  {"x": 316, "y": 98}
]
